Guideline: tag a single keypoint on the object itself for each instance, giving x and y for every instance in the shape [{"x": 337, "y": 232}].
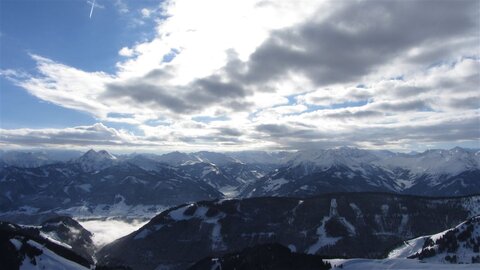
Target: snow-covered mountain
[
  {"x": 32, "y": 159},
  {"x": 177, "y": 158},
  {"x": 262, "y": 157},
  {"x": 350, "y": 224},
  {"x": 460, "y": 244},
  {"x": 81, "y": 186},
  {"x": 98, "y": 180},
  {"x": 226, "y": 174},
  {"x": 436, "y": 162},
  {"x": 433, "y": 172},
  {"x": 94, "y": 161},
  {"x": 218, "y": 159}
]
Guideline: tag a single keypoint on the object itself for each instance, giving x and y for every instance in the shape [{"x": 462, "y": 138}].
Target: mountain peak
[
  {"x": 176, "y": 158},
  {"x": 457, "y": 149},
  {"x": 90, "y": 152},
  {"x": 102, "y": 154},
  {"x": 94, "y": 161},
  {"x": 348, "y": 156}
]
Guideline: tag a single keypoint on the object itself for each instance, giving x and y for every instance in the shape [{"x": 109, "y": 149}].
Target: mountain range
[
  {"x": 365, "y": 225},
  {"x": 99, "y": 181}
]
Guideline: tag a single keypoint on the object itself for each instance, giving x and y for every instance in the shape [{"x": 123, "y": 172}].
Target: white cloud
[
  {"x": 107, "y": 231},
  {"x": 146, "y": 12},
  {"x": 66, "y": 86},
  {"x": 125, "y": 51},
  {"x": 121, "y": 6}
]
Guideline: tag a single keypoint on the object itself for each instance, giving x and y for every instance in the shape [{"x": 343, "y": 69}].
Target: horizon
[
  {"x": 127, "y": 153},
  {"x": 244, "y": 75}
]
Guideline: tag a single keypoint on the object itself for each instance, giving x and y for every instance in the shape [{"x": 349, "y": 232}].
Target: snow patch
[
  {"x": 53, "y": 237},
  {"x": 85, "y": 187},
  {"x": 142, "y": 234},
  {"x": 274, "y": 184},
  {"x": 333, "y": 208},
  {"x": 323, "y": 239},
  {"x": 405, "y": 264},
  {"x": 16, "y": 243},
  {"x": 200, "y": 213},
  {"x": 408, "y": 248},
  {"x": 49, "y": 260}
]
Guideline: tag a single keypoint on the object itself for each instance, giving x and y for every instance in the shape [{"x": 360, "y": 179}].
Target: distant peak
[
  {"x": 457, "y": 149},
  {"x": 102, "y": 154},
  {"x": 90, "y": 152}
]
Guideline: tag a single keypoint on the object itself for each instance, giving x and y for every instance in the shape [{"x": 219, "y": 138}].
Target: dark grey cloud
[
  {"x": 349, "y": 114},
  {"x": 360, "y": 37},
  {"x": 289, "y": 131},
  {"x": 407, "y": 91},
  {"x": 294, "y": 137},
  {"x": 212, "y": 86},
  {"x": 458, "y": 130},
  {"x": 183, "y": 100},
  {"x": 359, "y": 95},
  {"x": 149, "y": 94},
  {"x": 469, "y": 103},
  {"x": 230, "y": 132},
  {"x": 208, "y": 139},
  {"x": 459, "y": 84},
  {"x": 463, "y": 129},
  {"x": 274, "y": 129},
  {"x": 375, "y": 110},
  {"x": 156, "y": 74},
  {"x": 402, "y": 106}
]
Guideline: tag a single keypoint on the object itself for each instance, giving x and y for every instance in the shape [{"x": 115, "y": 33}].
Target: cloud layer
[{"x": 275, "y": 75}]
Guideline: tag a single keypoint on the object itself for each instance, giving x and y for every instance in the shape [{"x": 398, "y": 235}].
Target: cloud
[
  {"x": 354, "y": 114},
  {"x": 279, "y": 74},
  {"x": 335, "y": 95},
  {"x": 226, "y": 131},
  {"x": 125, "y": 51},
  {"x": 107, "y": 231},
  {"x": 401, "y": 106},
  {"x": 97, "y": 134},
  {"x": 432, "y": 130},
  {"x": 192, "y": 98},
  {"x": 121, "y": 6},
  {"x": 359, "y": 37},
  {"x": 64, "y": 85},
  {"x": 146, "y": 13}
]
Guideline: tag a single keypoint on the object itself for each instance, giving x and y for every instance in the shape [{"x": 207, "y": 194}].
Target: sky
[{"x": 225, "y": 75}]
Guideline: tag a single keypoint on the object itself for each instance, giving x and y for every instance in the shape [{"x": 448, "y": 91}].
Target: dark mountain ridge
[{"x": 342, "y": 224}]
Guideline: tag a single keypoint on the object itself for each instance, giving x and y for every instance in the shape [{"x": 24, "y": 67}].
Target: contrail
[{"x": 91, "y": 10}]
